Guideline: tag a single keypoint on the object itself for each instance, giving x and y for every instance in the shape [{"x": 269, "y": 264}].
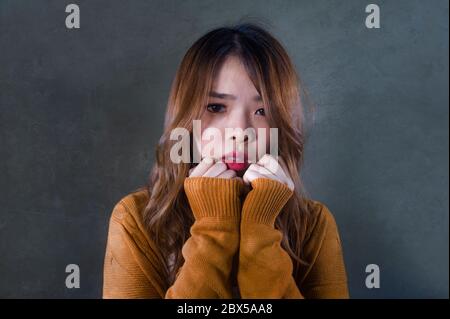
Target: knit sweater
[{"x": 231, "y": 242}]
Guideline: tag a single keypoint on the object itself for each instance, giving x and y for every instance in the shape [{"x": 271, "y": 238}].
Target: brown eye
[
  {"x": 215, "y": 108},
  {"x": 260, "y": 112}
]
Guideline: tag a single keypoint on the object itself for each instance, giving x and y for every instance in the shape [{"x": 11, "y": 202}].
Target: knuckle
[{"x": 221, "y": 166}]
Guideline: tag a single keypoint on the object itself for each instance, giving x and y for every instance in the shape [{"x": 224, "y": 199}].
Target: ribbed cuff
[
  {"x": 265, "y": 201},
  {"x": 213, "y": 197}
]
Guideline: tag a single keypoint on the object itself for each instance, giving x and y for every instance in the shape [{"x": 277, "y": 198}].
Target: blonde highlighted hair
[{"x": 167, "y": 216}]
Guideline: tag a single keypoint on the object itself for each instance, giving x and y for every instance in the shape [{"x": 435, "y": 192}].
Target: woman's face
[{"x": 233, "y": 106}]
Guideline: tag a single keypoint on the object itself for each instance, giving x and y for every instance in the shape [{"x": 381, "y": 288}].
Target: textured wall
[{"x": 81, "y": 111}]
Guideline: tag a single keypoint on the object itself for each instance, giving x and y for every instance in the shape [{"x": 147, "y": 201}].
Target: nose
[
  {"x": 240, "y": 122},
  {"x": 242, "y": 138}
]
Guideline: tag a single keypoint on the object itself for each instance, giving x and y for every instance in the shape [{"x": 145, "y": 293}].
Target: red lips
[{"x": 236, "y": 161}]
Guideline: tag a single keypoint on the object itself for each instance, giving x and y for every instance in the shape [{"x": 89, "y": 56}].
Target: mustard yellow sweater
[{"x": 224, "y": 228}]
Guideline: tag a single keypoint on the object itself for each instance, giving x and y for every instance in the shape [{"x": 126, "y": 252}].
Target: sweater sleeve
[
  {"x": 208, "y": 253},
  {"x": 133, "y": 267},
  {"x": 265, "y": 268}
]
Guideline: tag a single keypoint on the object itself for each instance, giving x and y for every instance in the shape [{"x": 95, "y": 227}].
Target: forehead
[{"x": 233, "y": 78}]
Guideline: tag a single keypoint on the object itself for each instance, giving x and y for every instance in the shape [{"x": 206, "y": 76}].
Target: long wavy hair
[{"x": 167, "y": 215}]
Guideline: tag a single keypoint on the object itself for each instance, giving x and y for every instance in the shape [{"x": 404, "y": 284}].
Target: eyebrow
[{"x": 256, "y": 98}]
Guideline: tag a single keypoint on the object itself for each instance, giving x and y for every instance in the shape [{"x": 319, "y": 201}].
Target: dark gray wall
[{"x": 81, "y": 111}]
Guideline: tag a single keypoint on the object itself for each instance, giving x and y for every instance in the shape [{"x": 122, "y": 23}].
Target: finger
[
  {"x": 216, "y": 170},
  {"x": 228, "y": 174},
  {"x": 265, "y": 173},
  {"x": 202, "y": 167},
  {"x": 274, "y": 166},
  {"x": 251, "y": 175},
  {"x": 260, "y": 169},
  {"x": 269, "y": 162}
]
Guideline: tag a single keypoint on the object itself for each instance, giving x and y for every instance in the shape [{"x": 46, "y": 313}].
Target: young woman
[{"x": 227, "y": 228}]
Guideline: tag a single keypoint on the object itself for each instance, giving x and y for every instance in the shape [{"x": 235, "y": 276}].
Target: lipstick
[{"x": 236, "y": 161}]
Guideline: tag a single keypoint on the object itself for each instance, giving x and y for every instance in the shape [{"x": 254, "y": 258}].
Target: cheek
[
  {"x": 212, "y": 140},
  {"x": 265, "y": 129}
]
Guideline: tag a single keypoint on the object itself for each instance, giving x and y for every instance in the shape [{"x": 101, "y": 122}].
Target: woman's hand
[
  {"x": 209, "y": 168},
  {"x": 212, "y": 190},
  {"x": 268, "y": 167}
]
